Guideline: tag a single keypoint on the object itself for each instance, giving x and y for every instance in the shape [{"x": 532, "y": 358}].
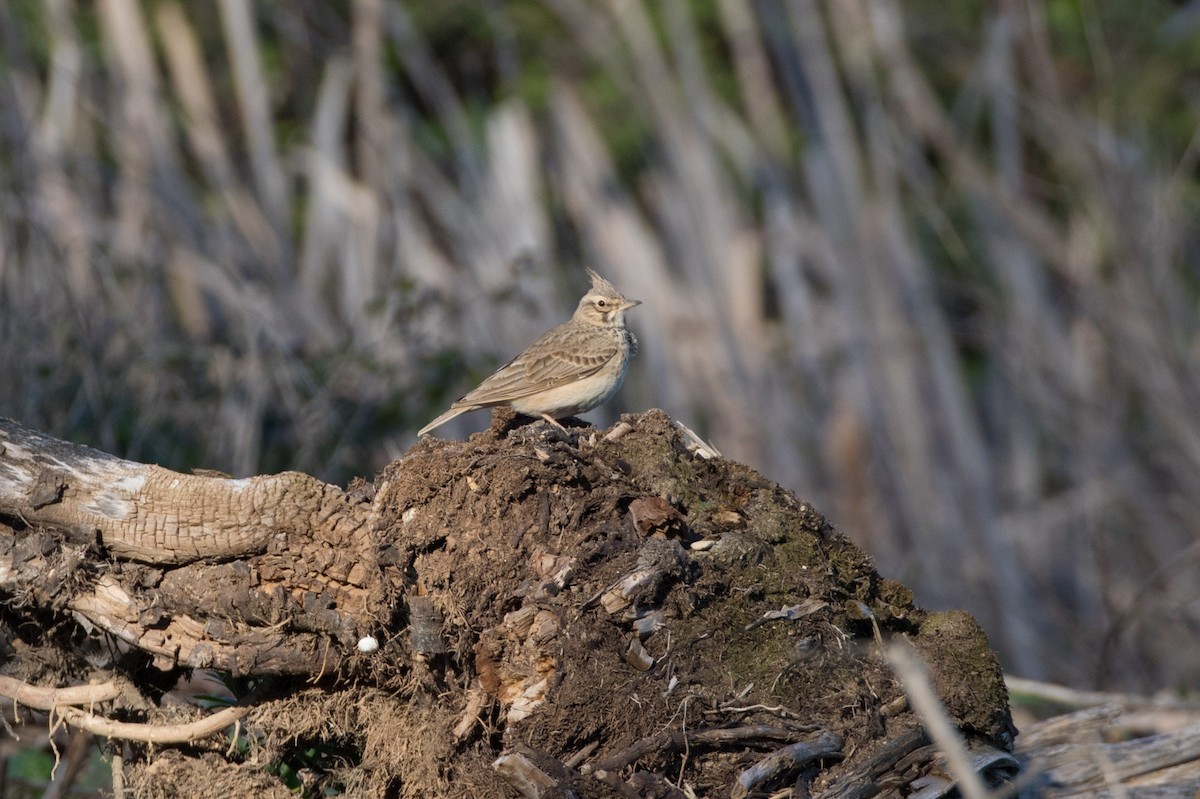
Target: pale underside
[{"x": 560, "y": 375}]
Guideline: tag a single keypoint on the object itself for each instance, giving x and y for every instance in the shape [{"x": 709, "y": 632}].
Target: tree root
[
  {"x": 43, "y": 698},
  {"x": 63, "y": 706},
  {"x": 153, "y": 733}
]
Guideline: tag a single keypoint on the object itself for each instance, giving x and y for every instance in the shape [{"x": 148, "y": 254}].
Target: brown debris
[{"x": 655, "y": 516}]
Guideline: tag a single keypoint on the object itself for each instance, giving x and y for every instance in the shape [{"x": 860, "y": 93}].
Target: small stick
[
  {"x": 790, "y": 759},
  {"x": 118, "y": 773},
  {"x": 580, "y": 756},
  {"x": 675, "y": 739}
]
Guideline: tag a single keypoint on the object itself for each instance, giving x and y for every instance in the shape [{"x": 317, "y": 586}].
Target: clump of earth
[{"x": 609, "y": 613}]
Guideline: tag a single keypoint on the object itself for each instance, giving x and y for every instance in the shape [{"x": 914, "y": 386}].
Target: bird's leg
[{"x": 552, "y": 421}]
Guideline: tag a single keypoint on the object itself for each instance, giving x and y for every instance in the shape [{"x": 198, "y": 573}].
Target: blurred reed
[{"x": 863, "y": 286}]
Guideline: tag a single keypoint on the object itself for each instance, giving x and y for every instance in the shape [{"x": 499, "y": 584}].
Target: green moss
[
  {"x": 965, "y": 673},
  {"x": 772, "y": 525}
]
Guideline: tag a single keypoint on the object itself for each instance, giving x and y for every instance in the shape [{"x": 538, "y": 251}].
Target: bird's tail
[{"x": 441, "y": 420}]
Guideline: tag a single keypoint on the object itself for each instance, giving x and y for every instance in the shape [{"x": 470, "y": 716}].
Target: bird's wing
[{"x": 555, "y": 359}]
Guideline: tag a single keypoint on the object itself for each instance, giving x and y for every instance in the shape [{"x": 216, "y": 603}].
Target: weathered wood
[
  {"x": 1166, "y": 765},
  {"x": 147, "y": 513},
  {"x": 519, "y": 770},
  {"x": 259, "y": 575},
  {"x": 1166, "y": 711},
  {"x": 786, "y": 761},
  {"x": 201, "y": 643},
  {"x": 866, "y": 779}
]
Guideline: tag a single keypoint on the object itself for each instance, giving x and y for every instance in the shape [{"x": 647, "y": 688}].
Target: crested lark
[{"x": 571, "y": 369}]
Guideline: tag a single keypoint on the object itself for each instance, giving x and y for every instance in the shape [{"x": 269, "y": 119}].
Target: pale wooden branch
[
  {"x": 46, "y": 698},
  {"x": 1062, "y": 694}
]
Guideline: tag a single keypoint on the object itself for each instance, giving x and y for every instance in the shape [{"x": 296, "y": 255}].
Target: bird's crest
[{"x": 602, "y": 286}]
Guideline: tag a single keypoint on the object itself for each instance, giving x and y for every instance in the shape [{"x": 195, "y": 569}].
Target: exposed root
[
  {"x": 63, "y": 706},
  {"x": 44, "y": 698},
  {"x": 152, "y": 733}
]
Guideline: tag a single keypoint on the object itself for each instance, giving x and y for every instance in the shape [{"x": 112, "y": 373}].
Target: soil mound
[{"x": 625, "y": 617}]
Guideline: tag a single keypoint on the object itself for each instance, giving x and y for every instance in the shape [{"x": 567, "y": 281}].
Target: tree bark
[{"x": 252, "y": 576}]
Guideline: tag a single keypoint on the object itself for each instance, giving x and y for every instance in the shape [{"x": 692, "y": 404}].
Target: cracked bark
[{"x": 251, "y": 575}]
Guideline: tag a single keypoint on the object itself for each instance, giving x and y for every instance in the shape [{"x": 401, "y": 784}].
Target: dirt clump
[{"x": 610, "y": 604}]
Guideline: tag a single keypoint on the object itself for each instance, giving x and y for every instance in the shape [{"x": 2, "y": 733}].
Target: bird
[{"x": 571, "y": 369}]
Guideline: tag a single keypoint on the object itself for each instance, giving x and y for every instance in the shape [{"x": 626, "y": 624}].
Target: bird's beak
[{"x": 629, "y": 304}]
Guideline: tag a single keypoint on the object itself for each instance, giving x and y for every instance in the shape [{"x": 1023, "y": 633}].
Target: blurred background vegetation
[{"x": 932, "y": 265}]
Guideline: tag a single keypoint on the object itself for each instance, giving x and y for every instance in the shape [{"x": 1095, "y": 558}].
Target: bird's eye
[{"x": 601, "y": 304}]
